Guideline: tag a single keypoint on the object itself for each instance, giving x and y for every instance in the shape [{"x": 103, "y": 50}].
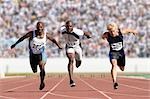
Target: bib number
[{"x": 117, "y": 46}]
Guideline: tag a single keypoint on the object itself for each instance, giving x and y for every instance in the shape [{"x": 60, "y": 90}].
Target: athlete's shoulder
[
  {"x": 62, "y": 29},
  {"x": 78, "y": 31},
  {"x": 105, "y": 35}
]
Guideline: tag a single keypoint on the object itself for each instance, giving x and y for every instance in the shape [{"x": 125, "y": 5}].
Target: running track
[{"x": 90, "y": 87}]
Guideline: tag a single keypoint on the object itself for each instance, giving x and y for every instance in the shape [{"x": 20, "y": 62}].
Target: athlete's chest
[
  {"x": 115, "y": 39},
  {"x": 71, "y": 36}
]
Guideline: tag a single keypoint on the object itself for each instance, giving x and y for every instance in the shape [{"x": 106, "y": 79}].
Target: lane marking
[
  {"x": 24, "y": 85},
  {"x": 120, "y": 93},
  {"x": 19, "y": 87},
  {"x": 4, "y": 97},
  {"x": 101, "y": 92},
  {"x": 142, "y": 81},
  {"x": 6, "y": 83},
  {"x": 68, "y": 96},
  {"x": 53, "y": 88},
  {"x": 125, "y": 85},
  {"x": 125, "y": 94}
]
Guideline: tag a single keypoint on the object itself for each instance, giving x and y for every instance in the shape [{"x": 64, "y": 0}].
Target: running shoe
[
  {"x": 72, "y": 83},
  {"x": 42, "y": 85},
  {"x": 78, "y": 63},
  {"x": 116, "y": 85}
]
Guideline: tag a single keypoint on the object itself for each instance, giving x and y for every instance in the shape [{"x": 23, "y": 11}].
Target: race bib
[
  {"x": 37, "y": 48},
  {"x": 117, "y": 46}
]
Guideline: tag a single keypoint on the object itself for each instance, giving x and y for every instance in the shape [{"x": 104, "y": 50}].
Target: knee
[
  {"x": 34, "y": 71},
  {"x": 113, "y": 67},
  {"x": 71, "y": 61}
]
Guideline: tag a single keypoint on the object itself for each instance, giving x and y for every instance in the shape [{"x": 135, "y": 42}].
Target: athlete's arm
[
  {"x": 29, "y": 34},
  {"x": 105, "y": 35},
  {"x": 126, "y": 31},
  {"x": 88, "y": 34},
  {"x": 53, "y": 40}
]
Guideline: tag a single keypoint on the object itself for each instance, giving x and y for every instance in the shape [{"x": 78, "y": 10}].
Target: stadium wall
[{"x": 60, "y": 65}]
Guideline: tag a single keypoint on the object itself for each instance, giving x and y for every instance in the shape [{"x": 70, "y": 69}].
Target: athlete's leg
[
  {"x": 78, "y": 56},
  {"x": 42, "y": 63},
  {"x": 33, "y": 62},
  {"x": 114, "y": 73},
  {"x": 121, "y": 63},
  {"x": 42, "y": 74},
  {"x": 114, "y": 70},
  {"x": 71, "y": 55}
]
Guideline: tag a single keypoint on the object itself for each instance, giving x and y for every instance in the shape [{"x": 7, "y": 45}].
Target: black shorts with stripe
[
  {"x": 119, "y": 56},
  {"x": 35, "y": 59}
]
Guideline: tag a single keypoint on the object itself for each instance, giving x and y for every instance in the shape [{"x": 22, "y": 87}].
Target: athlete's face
[
  {"x": 40, "y": 26},
  {"x": 112, "y": 29},
  {"x": 69, "y": 27}
]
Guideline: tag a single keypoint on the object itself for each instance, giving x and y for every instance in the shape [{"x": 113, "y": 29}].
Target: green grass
[
  {"x": 144, "y": 75},
  {"x": 94, "y": 74}
]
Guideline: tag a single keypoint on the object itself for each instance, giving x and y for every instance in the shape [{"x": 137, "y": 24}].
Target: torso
[
  {"x": 37, "y": 43},
  {"x": 72, "y": 39},
  {"x": 116, "y": 42}
]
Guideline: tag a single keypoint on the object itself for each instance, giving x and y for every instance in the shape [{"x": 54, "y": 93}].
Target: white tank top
[
  {"x": 72, "y": 39},
  {"x": 38, "y": 45}
]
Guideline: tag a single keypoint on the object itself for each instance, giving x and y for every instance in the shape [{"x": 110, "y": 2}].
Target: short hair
[
  {"x": 112, "y": 25},
  {"x": 39, "y": 22},
  {"x": 69, "y": 21}
]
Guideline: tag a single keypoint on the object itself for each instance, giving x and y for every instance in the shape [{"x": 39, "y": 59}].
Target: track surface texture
[{"x": 87, "y": 87}]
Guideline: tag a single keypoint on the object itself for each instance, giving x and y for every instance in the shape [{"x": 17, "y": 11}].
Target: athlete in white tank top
[
  {"x": 38, "y": 45},
  {"x": 72, "y": 39}
]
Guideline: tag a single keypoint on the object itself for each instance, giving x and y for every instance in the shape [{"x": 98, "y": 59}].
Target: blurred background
[{"x": 17, "y": 17}]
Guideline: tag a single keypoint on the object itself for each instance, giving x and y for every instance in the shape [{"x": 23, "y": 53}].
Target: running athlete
[
  {"x": 37, "y": 45},
  {"x": 72, "y": 37},
  {"x": 114, "y": 36}
]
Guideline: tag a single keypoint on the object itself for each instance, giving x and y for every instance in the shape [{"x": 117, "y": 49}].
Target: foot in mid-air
[
  {"x": 42, "y": 85},
  {"x": 78, "y": 63},
  {"x": 121, "y": 68},
  {"x": 72, "y": 83},
  {"x": 116, "y": 85}
]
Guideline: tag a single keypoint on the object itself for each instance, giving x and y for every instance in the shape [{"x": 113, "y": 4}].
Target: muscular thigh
[
  {"x": 78, "y": 53},
  {"x": 121, "y": 61},
  {"x": 70, "y": 52}
]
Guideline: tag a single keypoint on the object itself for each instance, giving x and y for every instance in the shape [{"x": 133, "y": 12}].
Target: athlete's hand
[
  {"x": 12, "y": 46},
  {"x": 89, "y": 36},
  {"x": 60, "y": 47},
  {"x": 135, "y": 32}
]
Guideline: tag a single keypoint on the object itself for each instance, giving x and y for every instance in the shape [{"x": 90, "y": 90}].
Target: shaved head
[
  {"x": 40, "y": 26},
  {"x": 69, "y": 25}
]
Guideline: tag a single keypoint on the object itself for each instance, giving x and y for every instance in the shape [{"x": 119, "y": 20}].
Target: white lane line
[
  {"x": 4, "y": 97},
  {"x": 6, "y": 83},
  {"x": 53, "y": 88},
  {"x": 120, "y": 93},
  {"x": 135, "y": 87},
  {"x": 131, "y": 95},
  {"x": 19, "y": 87},
  {"x": 101, "y": 92},
  {"x": 68, "y": 96},
  {"x": 125, "y": 85},
  {"x": 142, "y": 81}
]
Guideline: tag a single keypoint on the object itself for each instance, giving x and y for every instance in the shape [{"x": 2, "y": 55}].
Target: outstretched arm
[
  {"x": 88, "y": 34},
  {"x": 29, "y": 34},
  {"x": 126, "y": 31},
  {"x": 53, "y": 40},
  {"x": 105, "y": 35}
]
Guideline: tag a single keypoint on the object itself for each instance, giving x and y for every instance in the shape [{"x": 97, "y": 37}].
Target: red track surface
[{"x": 57, "y": 87}]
